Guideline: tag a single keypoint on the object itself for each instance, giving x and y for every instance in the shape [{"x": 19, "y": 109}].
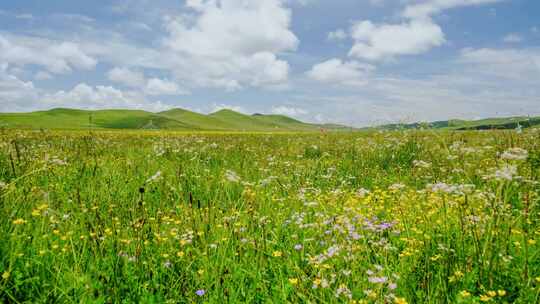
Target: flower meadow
[{"x": 361, "y": 217}]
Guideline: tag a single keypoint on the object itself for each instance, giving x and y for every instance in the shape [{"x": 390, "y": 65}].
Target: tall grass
[{"x": 152, "y": 217}]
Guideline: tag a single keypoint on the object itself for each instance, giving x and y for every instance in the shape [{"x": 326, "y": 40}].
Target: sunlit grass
[{"x": 391, "y": 217}]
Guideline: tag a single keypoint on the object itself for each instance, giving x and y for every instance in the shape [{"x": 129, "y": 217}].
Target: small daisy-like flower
[
  {"x": 154, "y": 177},
  {"x": 231, "y": 176},
  {"x": 515, "y": 154},
  {"x": 19, "y": 221},
  {"x": 298, "y": 247}
]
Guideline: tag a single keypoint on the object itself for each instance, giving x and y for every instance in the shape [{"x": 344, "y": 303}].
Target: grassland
[
  {"x": 170, "y": 217},
  {"x": 500, "y": 123},
  {"x": 175, "y": 119}
]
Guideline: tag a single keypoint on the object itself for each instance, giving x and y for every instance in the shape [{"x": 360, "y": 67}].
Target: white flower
[
  {"x": 361, "y": 193},
  {"x": 515, "y": 154},
  {"x": 396, "y": 187},
  {"x": 56, "y": 161},
  {"x": 232, "y": 176},
  {"x": 154, "y": 177},
  {"x": 421, "y": 164},
  {"x": 343, "y": 290},
  {"x": 441, "y": 187},
  {"x": 505, "y": 173}
]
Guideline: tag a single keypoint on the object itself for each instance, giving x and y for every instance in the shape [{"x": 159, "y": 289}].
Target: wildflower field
[{"x": 362, "y": 217}]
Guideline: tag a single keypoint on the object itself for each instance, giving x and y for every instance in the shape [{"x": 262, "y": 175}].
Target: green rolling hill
[
  {"x": 174, "y": 119},
  {"x": 200, "y": 121},
  {"x": 501, "y": 123},
  {"x": 80, "y": 119}
]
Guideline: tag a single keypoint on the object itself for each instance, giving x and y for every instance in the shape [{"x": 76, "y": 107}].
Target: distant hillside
[
  {"x": 175, "y": 119},
  {"x": 456, "y": 124}
]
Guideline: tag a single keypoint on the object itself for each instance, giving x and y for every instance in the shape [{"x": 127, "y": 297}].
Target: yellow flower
[
  {"x": 537, "y": 279},
  {"x": 458, "y": 274},
  {"x": 180, "y": 254},
  {"x": 492, "y": 293},
  {"x": 485, "y": 298},
  {"x": 293, "y": 281},
  {"x": 436, "y": 257},
  {"x": 5, "y": 275},
  {"x": 19, "y": 221},
  {"x": 400, "y": 301},
  {"x": 465, "y": 294},
  {"x": 532, "y": 242},
  {"x": 501, "y": 292},
  {"x": 277, "y": 253}
]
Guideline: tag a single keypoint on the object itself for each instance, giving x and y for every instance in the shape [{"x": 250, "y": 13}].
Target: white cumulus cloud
[
  {"x": 126, "y": 77},
  {"x": 84, "y": 96},
  {"x": 55, "y": 56},
  {"x": 232, "y": 43},
  {"x": 336, "y": 71},
  {"x": 15, "y": 94},
  {"x": 156, "y": 86},
  {"x": 376, "y": 42},
  {"x": 417, "y": 34}
]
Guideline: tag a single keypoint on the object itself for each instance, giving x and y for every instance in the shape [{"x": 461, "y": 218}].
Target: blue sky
[{"x": 344, "y": 61}]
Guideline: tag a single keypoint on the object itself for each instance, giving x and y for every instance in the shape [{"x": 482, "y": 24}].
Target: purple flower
[
  {"x": 200, "y": 292},
  {"x": 377, "y": 280}
]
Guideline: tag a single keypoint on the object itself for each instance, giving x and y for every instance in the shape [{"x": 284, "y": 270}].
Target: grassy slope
[
  {"x": 285, "y": 122},
  {"x": 482, "y": 124},
  {"x": 240, "y": 121},
  {"x": 198, "y": 120},
  {"x": 175, "y": 119},
  {"x": 80, "y": 119}
]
